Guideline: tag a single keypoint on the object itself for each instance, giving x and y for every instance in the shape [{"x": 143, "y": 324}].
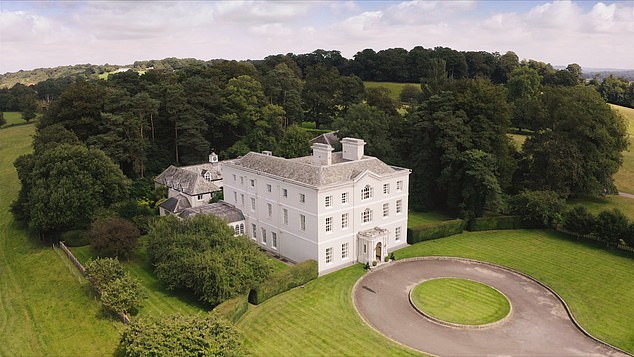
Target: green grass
[
  {"x": 13, "y": 118},
  {"x": 518, "y": 139},
  {"x": 460, "y": 301},
  {"x": 624, "y": 179},
  {"x": 46, "y": 308},
  {"x": 598, "y": 204},
  {"x": 316, "y": 320},
  {"x": 628, "y": 115},
  {"x": 598, "y": 285},
  {"x": 415, "y": 219},
  {"x": 159, "y": 300},
  {"x": 395, "y": 88}
]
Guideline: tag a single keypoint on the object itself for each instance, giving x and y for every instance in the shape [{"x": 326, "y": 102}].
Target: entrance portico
[{"x": 372, "y": 245}]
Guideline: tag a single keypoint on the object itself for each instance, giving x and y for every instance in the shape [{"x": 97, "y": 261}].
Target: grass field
[
  {"x": 628, "y": 114},
  {"x": 395, "y": 88},
  {"x": 598, "y": 285},
  {"x": 624, "y": 179},
  {"x": 598, "y": 204},
  {"x": 317, "y": 320},
  {"x": 13, "y": 118},
  {"x": 460, "y": 301},
  {"x": 518, "y": 139},
  {"x": 424, "y": 218},
  {"x": 46, "y": 309}
]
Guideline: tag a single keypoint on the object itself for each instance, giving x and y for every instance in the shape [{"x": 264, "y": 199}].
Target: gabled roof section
[
  {"x": 330, "y": 138},
  {"x": 191, "y": 179},
  {"x": 220, "y": 209},
  {"x": 175, "y": 204},
  {"x": 309, "y": 171}
]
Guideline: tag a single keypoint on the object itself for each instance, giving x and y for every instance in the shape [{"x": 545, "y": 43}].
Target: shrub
[
  {"x": 629, "y": 239},
  {"x": 102, "y": 271},
  {"x": 75, "y": 238},
  {"x": 122, "y": 295},
  {"x": 234, "y": 308},
  {"x": 579, "y": 220},
  {"x": 178, "y": 335},
  {"x": 611, "y": 227},
  {"x": 497, "y": 222},
  {"x": 439, "y": 230},
  {"x": 366, "y": 266},
  {"x": 538, "y": 207},
  {"x": 374, "y": 263},
  {"x": 284, "y": 280},
  {"x": 138, "y": 212},
  {"x": 113, "y": 237}
]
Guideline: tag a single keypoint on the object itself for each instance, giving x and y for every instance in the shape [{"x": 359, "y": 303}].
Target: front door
[{"x": 377, "y": 252}]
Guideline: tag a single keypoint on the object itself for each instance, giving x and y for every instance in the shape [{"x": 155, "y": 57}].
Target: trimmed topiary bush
[
  {"x": 439, "y": 230},
  {"x": 284, "y": 280}
]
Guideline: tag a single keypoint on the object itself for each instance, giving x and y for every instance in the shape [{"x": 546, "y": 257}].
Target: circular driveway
[{"x": 537, "y": 326}]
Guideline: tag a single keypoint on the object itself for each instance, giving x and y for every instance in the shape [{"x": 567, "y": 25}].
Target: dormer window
[
  {"x": 367, "y": 192},
  {"x": 207, "y": 176}
]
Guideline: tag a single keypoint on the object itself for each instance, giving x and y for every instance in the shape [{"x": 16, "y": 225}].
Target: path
[
  {"x": 625, "y": 194},
  {"x": 538, "y": 325}
]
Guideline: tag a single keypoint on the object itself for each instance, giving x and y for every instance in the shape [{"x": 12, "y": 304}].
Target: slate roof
[
  {"x": 309, "y": 171},
  {"x": 330, "y": 138},
  {"x": 175, "y": 204},
  {"x": 190, "y": 179},
  {"x": 220, "y": 209}
]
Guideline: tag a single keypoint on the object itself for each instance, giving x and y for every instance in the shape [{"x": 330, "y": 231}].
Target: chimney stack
[
  {"x": 213, "y": 158},
  {"x": 352, "y": 148},
  {"x": 323, "y": 153}
]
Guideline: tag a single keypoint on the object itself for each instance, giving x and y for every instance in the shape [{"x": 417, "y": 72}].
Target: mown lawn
[
  {"x": 395, "y": 88},
  {"x": 624, "y": 179},
  {"x": 460, "y": 301},
  {"x": 598, "y": 204},
  {"x": 46, "y": 309},
  {"x": 424, "y": 218},
  {"x": 316, "y": 320},
  {"x": 13, "y": 118},
  {"x": 598, "y": 285}
]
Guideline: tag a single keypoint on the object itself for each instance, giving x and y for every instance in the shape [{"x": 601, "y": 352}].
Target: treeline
[{"x": 453, "y": 133}]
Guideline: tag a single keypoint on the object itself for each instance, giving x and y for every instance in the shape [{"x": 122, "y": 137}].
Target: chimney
[
  {"x": 213, "y": 158},
  {"x": 352, "y": 148},
  {"x": 323, "y": 153}
]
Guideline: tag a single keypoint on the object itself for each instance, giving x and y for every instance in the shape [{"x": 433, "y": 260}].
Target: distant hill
[{"x": 589, "y": 73}]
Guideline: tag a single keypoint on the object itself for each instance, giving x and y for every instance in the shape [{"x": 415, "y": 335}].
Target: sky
[{"x": 36, "y": 34}]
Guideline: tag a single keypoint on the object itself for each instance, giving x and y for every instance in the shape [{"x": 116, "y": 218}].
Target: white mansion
[{"x": 337, "y": 208}]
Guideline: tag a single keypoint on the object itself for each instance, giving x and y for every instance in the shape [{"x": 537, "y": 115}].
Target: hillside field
[
  {"x": 395, "y": 88},
  {"x": 625, "y": 177}
]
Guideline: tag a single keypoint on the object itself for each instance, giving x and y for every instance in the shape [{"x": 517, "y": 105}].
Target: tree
[
  {"x": 410, "y": 94},
  {"x": 201, "y": 254},
  {"x": 319, "y": 94},
  {"x": 116, "y": 237},
  {"x": 475, "y": 185},
  {"x": 612, "y": 227},
  {"x": 295, "y": 142},
  {"x": 579, "y": 220},
  {"x": 538, "y": 207},
  {"x": 64, "y": 186},
  {"x": 505, "y": 66},
  {"x": 181, "y": 335},
  {"x": 122, "y": 295},
  {"x": 283, "y": 87},
  {"x": 370, "y": 124},
  {"x": 2, "y": 119},
  {"x": 102, "y": 271},
  {"x": 51, "y": 136},
  {"x": 584, "y": 139},
  {"x": 379, "y": 97}
]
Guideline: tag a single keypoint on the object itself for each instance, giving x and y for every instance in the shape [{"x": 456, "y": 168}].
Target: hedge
[
  {"x": 233, "y": 309},
  {"x": 439, "y": 230},
  {"x": 498, "y": 222},
  {"x": 284, "y": 280}
]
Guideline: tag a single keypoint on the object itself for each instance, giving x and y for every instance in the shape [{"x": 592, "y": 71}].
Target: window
[
  {"x": 328, "y": 201},
  {"x": 237, "y": 229},
  {"x": 329, "y": 255},
  {"x": 252, "y": 204},
  {"x": 399, "y": 206},
  {"x": 344, "y": 251},
  {"x": 263, "y": 235},
  {"x": 344, "y": 198},
  {"x": 255, "y": 231},
  {"x": 365, "y": 249},
  {"x": 302, "y": 198},
  {"x": 242, "y": 198},
  {"x": 397, "y": 234},
  {"x": 235, "y": 197},
  {"x": 252, "y": 182},
  {"x": 242, "y": 180},
  {"x": 386, "y": 188},
  {"x": 234, "y": 177},
  {"x": 328, "y": 224},
  {"x": 302, "y": 222},
  {"x": 366, "y": 216},
  {"x": 274, "y": 240},
  {"x": 386, "y": 209},
  {"x": 268, "y": 187},
  {"x": 200, "y": 197},
  {"x": 366, "y": 192},
  {"x": 344, "y": 221},
  {"x": 399, "y": 185},
  {"x": 270, "y": 209},
  {"x": 241, "y": 228},
  {"x": 284, "y": 192},
  {"x": 285, "y": 214}
]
